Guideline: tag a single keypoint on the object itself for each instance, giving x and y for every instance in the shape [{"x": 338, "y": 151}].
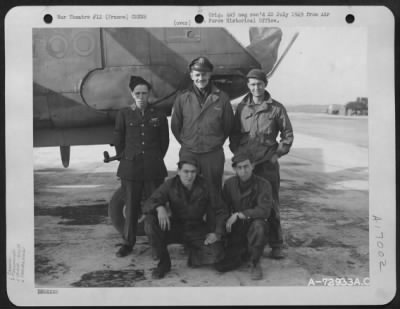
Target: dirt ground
[{"x": 324, "y": 210}]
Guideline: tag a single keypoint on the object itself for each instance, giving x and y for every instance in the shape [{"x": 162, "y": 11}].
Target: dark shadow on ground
[{"x": 317, "y": 230}]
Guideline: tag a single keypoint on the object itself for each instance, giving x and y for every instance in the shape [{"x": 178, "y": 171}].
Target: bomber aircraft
[{"x": 81, "y": 76}]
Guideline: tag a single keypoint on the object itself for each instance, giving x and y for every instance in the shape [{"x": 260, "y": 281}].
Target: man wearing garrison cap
[
  {"x": 258, "y": 121},
  {"x": 201, "y": 121},
  {"x": 141, "y": 139},
  {"x": 194, "y": 218},
  {"x": 249, "y": 201}
]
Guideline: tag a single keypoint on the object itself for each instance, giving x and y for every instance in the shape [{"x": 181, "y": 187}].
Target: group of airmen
[{"x": 224, "y": 225}]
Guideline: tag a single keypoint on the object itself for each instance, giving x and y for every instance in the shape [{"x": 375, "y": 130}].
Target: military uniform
[
  {"x": 256, "y": 127},
  {"x": 141, "y": 142},
  {"x": 202, "y": 129},
  {"x": 188, "y": 209},
  {"x": 248, "y": 237},
  {"x": 201, "y": 122}
]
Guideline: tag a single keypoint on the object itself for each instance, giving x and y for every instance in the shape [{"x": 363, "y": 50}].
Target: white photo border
[{"x": 19, "y": 23}]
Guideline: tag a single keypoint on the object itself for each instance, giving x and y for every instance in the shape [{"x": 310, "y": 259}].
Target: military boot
[
  {"x": 124, "y": 250},
  {"x": 163, "y": 266}
]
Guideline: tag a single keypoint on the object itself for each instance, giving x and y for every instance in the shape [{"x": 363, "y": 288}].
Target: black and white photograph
[{"x": 237, "y": 150}]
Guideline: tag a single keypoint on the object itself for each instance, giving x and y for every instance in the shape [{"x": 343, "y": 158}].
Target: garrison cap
[
  {"x": 188, "y": 159},
  {"x": 201, "y": 64},
  {"x": 137, "y": 80},
  {"x": 257, "y": 74},
  {"x": 241, "y": 156}
]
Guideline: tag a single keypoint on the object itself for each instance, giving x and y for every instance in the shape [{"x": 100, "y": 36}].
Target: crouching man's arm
[
  {"x": 232, "y": 219},
  {"x": 264, "y": 203},
  {"x": 156, "y": 205},
  {"x": 216, "y": 217}
]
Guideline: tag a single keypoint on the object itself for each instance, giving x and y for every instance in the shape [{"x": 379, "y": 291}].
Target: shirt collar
[
  {"x": 267, "y": 98},
  {"x": 135, "y": 109},
  {"x": 203, "y": 92}
]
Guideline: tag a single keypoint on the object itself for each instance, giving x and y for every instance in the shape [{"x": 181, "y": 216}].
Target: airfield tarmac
[{"x": 324, "y": 213}]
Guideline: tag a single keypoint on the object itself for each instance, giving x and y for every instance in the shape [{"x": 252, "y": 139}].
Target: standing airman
[
  {"x": 141, "y": 139},
  {"x": 201, "y": 121},
  {"x": 258, "y": 121}
]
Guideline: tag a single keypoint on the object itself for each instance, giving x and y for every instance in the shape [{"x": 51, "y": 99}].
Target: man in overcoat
[
  {"x": 141, "y": 139},
  {"x": 258, "y": 121},
  {"x": 181, "y": 210}
]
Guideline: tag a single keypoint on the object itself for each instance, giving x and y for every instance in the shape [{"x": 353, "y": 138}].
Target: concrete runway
[{"x": 324, "y": 198}]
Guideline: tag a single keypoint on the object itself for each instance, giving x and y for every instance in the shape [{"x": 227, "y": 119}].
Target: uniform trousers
[
  {"x": 247, "y": 239},
  {"x": 190, "y": 234},
  {"x": 270, "y": 172},
  {"x": 135, "y": 192}
]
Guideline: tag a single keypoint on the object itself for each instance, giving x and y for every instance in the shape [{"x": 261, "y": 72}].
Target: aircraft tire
[{"x": 116, "y": 212}]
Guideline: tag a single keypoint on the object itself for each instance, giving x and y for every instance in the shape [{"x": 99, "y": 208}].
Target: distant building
[{"x": 358, "y": 107}]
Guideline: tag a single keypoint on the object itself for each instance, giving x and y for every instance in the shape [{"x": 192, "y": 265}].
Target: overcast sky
[{"x": 326, "y": 65}]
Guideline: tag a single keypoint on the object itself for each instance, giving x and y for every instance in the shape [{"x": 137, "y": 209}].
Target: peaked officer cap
[
  {"x": 137, "y": 80},
  {"x": 201, "y": 64},
  {"x": 257, "y": 74}
]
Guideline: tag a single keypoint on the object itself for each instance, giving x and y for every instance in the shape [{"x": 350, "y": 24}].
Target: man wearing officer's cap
[
  {"x": 259, "y": 119},
  {"x": 249, "y": 201},
  {"x": 141, "y": 139},
  {"x": 201, "y": 121},
  {"x": 194, "y": 218}
]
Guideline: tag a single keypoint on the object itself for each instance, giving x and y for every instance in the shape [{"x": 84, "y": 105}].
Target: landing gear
[
  {"x": 65, "y": 154},
  {"x": 116, "y": 212}
]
